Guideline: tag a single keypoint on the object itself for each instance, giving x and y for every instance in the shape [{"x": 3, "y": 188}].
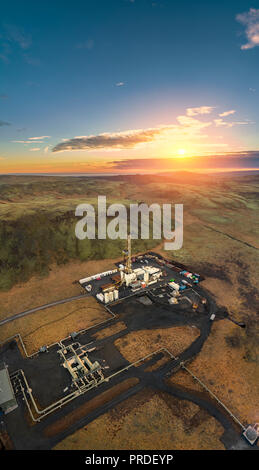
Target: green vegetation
[
  {"x": 38, "y": 225},
  {"x": 38, "y": 220}
]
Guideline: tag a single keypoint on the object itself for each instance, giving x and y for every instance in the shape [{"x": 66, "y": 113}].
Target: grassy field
[
  {"x": 223, "y": 366},
  {"x": 59, "y": 284},
  {"x": 150, "y": 421},
  {"x": 54, "y": 323},
  {"x": 38, "y": 217},
  {"x": 111, "y": 330},
  {"x": 89, "y": 407},
  {"x": 138, "y": 344},
  {"x": 40, "y": 259}
]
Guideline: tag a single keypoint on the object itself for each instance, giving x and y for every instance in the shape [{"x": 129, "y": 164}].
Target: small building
[
  {"x": 8, "y": 402},
  {"x": 251, "y": 434}
]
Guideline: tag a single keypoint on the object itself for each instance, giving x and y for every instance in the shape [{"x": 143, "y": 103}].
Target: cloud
[
  {"x": 222, "y": 123},
  {"x": 186, "y": 127},
  {"x": 120, "y": 84},
  {"x": 12, "y": 38},
  {"x": 16, "y": 35},
  {"x": 3, "y": 96},
  {"x": 221, "y": 160},
  {"x": 5, "y": 52},
  {"x": 40, "y": 138},
  {"x": 199, "y": 110},
  {"x": 227, "y": 113},
  {"x": 88, "y": 44},
  {"x": 250, "y": 20},
  {"x": 126, "y": 140},
  {"x": 35, "y": 149},
  {"x": 32, "y": 140},
  {"x": 253, "y": 90},
  {"x": 131, "y": 138},
  {"x": 32, "y": 60},
  {"x": 190, "y": 122},
  {"x": 4, "y": 123},
  {"x": 28, "y": 141}
]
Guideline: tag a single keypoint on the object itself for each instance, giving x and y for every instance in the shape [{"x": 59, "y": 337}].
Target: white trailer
[{"x": 174, "y": 285}]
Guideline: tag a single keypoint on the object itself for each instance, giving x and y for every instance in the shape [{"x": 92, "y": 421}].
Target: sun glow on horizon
[{"x": 181, "y": 152}]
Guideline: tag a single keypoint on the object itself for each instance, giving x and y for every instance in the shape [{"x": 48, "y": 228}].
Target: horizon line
[{"x": 70, "y": 173}]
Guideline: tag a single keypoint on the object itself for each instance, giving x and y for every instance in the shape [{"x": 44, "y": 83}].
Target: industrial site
[{"x": 42, "y": 393}]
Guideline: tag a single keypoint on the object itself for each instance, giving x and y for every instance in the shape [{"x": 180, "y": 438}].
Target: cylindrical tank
[
  {"x": 116, "y": 294},
  {"x": 100, "y": 297}
]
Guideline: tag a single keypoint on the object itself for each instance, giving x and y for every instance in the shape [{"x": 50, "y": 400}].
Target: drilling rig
[{"x": 127, "y": 257}]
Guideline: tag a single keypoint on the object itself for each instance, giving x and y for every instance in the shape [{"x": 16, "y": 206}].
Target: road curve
[{"x": 42, "y": 307}]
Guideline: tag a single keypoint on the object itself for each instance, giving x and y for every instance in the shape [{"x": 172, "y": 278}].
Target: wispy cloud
[
  {"x": 17, "y": 35},
  {"x": 120, "y": 84},
  {"x": 12, "y": 37},
  {"x": 34, "y": 149},
  {"x": 193, "y": 123},
  {"x": 28, "y": 142},
  {"x": 3, "y": 96},
  {"x": 4, "y": 123},
  {"x": 250, "y": 20},
  {"x": 227, "y": 113},
  {"x": 122, "y": 140},
  {"x": 187, "y": 127},
  {"x": 5, "y": 51},
  {"x": 221, "y": 123},
  {"x": 219, "y": 160},
  {"x": 33, "y": 140},
  {"x": 39, "y": 138},
  {"x": 32, "y": 60},
  {"x": 199, "y": 110},
  {"x": 88, "y": 44},
  {"x": 131, "y": 138}
]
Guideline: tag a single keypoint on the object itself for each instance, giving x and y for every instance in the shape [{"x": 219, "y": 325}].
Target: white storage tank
[
  {"x": 106, "y": 297},
  {"x": 116, "y": 294},
  {"x": 111, "y": 296},
  {"x": 100, "y": 297}
]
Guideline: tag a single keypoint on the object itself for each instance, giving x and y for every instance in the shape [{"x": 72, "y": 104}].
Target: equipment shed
[{"x": 8, "y": 402}]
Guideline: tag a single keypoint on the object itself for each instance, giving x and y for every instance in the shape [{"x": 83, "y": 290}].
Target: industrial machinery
[
  {"x": 83, "y": 371},
  {"x": 127, "y": 257}
]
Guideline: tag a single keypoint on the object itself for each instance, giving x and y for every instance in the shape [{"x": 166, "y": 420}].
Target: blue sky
[{"x": 122, "y": 67}]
